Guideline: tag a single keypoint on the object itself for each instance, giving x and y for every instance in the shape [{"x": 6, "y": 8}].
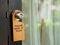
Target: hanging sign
[{"x": 18, "y": 26}]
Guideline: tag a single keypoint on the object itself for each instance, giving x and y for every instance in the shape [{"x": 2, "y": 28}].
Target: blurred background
[{"x": 42, "y": 22}]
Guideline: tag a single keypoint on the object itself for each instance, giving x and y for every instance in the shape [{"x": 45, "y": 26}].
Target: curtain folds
[{"x": 42, "y": 22}]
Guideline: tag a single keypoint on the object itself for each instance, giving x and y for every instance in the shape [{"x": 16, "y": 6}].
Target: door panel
[
  {"x": 3, "y": 23},
  {"x": 13, "y": 5}
]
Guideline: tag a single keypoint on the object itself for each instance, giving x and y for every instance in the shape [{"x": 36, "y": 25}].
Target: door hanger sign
[{"x": 18, "y": 25}]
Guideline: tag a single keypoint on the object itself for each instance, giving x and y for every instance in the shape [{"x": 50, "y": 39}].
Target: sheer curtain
[
  {"x": 42, "y": 24},
  {"x": 31, "y": 20},
  {"x": 47, "y": 26},
  {"x": 26, "y": 8},
  {"x": 56, "y": 21}
]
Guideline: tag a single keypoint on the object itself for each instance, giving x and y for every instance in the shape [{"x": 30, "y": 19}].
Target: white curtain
[
  {"x": 47, "y": 26},
  {"x": 38, "y": 32},
  {"x": 31, "y": 20},
  {"x": 56, "y": 21}
]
